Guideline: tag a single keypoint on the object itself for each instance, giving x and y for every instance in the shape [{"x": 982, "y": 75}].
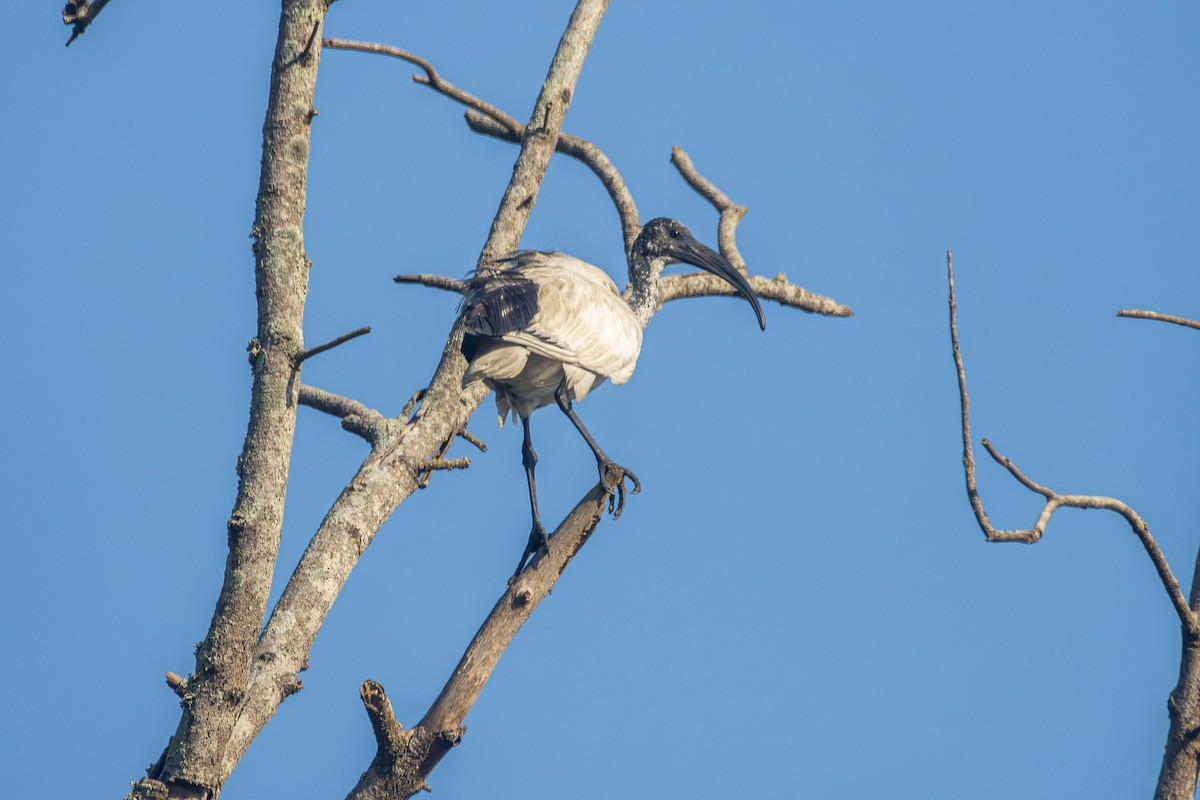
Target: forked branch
[
  {"x": 1054, "y": 501},
  {"x": 400, "y": 771},
  {"x": 489, "y": 120},
  {"x": 703, "y": 284},
  {"x": 404, "y": 759}
]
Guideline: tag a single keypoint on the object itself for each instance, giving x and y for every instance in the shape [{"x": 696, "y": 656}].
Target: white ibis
[{"x": 548, "y": 328}]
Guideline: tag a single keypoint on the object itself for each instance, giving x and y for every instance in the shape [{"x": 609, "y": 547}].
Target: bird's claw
[
  {"x": 538, "y": 541},
  {"x": 612, "y": 478}
]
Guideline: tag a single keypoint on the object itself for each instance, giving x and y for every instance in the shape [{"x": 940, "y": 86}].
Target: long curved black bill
[{"x": 693, "y": 252}]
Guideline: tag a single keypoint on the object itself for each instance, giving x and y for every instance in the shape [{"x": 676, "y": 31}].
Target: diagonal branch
[
  {"x": 1154, "y": 315},
  {"x": 1054, "y": 501},
  {"x": 392, "y": 470},
  {"x": 431, "y": 79},
  {"x": 590, "y": 156},
  {"x": 491, "y": 121},
  {"x": 332, "y": 343},
  {"x": 400, "y": 771}
]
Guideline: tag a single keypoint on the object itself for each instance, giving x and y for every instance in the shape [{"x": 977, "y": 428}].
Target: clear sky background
[{"x": 799, "y": 603}]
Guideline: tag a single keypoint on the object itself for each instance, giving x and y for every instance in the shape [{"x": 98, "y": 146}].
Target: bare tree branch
[
  {"x": 779, "y": 289},
  {"x": 593, "y": 158},
  {"x": 196, "y": 761},
  {"x": 400, "y": 771},
  {"x": 473, "y": 439},
  {"x": 1154, "y": 315},
  {"x": 491, "y": 121},
  {"x": 730, "y": 213},
  {"x": 702, "y": 284},
  {"x": 391, "y": 471},
  {"x": 1187, "y": 618},
  {"x": 321, "y": 348},
  {"x": 965, "y": 401},
  {"x": 1181, "y": 756},
  {"x": 431, "y": 79},
  {"x": 542, "y": 131},
  {"x": 79, "y": 14},
  {"x": 434, "y": 282},
  {"x": 356, "y": 418}
]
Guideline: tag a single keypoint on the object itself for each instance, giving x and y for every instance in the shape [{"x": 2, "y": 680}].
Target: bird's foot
[
  {"x": 612, "y": 478},
  {"x": 538, "y": 541}
]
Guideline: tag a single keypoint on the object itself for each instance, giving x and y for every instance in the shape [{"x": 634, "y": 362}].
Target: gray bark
[{"x": 196, "y": 761}]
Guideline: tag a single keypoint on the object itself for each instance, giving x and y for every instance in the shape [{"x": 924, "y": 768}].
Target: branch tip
[
  {"x": 473, "y": 439},
  {"x": 177, "y": 683},
  {"x": 1156, "y": 316},
  {"x": 332, "y": 343},
  {"x": 434, "y": 282}
]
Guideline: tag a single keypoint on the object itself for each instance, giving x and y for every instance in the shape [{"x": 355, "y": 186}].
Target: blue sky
[{"x": 799, "y": 603}]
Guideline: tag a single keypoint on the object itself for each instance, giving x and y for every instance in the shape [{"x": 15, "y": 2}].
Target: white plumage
[
  {"x": 582, "y": 331},
  {"x": 548, "y": 328}
]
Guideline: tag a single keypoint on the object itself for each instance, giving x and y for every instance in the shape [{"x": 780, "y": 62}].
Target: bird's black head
[{"x": 666, "y": 241}]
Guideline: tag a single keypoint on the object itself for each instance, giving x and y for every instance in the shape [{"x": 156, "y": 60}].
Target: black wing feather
[{"x": 499, "y": 301}]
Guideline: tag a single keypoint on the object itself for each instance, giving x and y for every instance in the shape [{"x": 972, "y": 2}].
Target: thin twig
[
  {"x": 431, "y": 79},
  {"x": 730, "y": 212},
  {"x": 80, "y": 14},
  {"x": 321, "y": 348},
  {"x": 965, "y": 401},
  {"x": 473, "y": 439},
  {"x": 434, "y": 282},
  {"x": 1154, "y": 315},
  {"x": 1054, "y": 501}
]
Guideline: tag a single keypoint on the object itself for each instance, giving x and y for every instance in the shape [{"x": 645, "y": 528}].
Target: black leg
[
  {"x": 612, "y": 474},
  {"x": 537, "y": 535}
]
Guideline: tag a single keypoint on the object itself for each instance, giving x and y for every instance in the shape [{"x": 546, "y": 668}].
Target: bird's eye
[{"x": 675, "y": 233}]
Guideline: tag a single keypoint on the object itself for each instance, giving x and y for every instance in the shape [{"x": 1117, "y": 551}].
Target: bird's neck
[{"x": 643, "y": 275}]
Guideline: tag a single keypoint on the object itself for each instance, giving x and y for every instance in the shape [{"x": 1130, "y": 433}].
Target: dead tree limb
[
  {"x": 1181, "y": 758},
  {"x": 392, "y": 470},
  {"x": 197, "y": 760},
  {"x": 242, "y": 695},
  {"x": 404, "y": 759},
  {"x": 491, "y": 121},
  {"x": 434, "y": 282},
  {"x": 332, "y": 343},
  {"x": 1154, "y": 315},
  {"x": 402, "y": 771},
  {"x": 703, "y": 284}
]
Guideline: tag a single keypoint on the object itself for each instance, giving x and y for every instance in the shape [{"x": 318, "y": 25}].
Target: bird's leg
[
  {"x": 612, "y": 474},
  {"x": 537, "y": 536}
]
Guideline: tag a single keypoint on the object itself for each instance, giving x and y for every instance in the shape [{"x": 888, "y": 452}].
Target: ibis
[{"x": 544, "y": 328}]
